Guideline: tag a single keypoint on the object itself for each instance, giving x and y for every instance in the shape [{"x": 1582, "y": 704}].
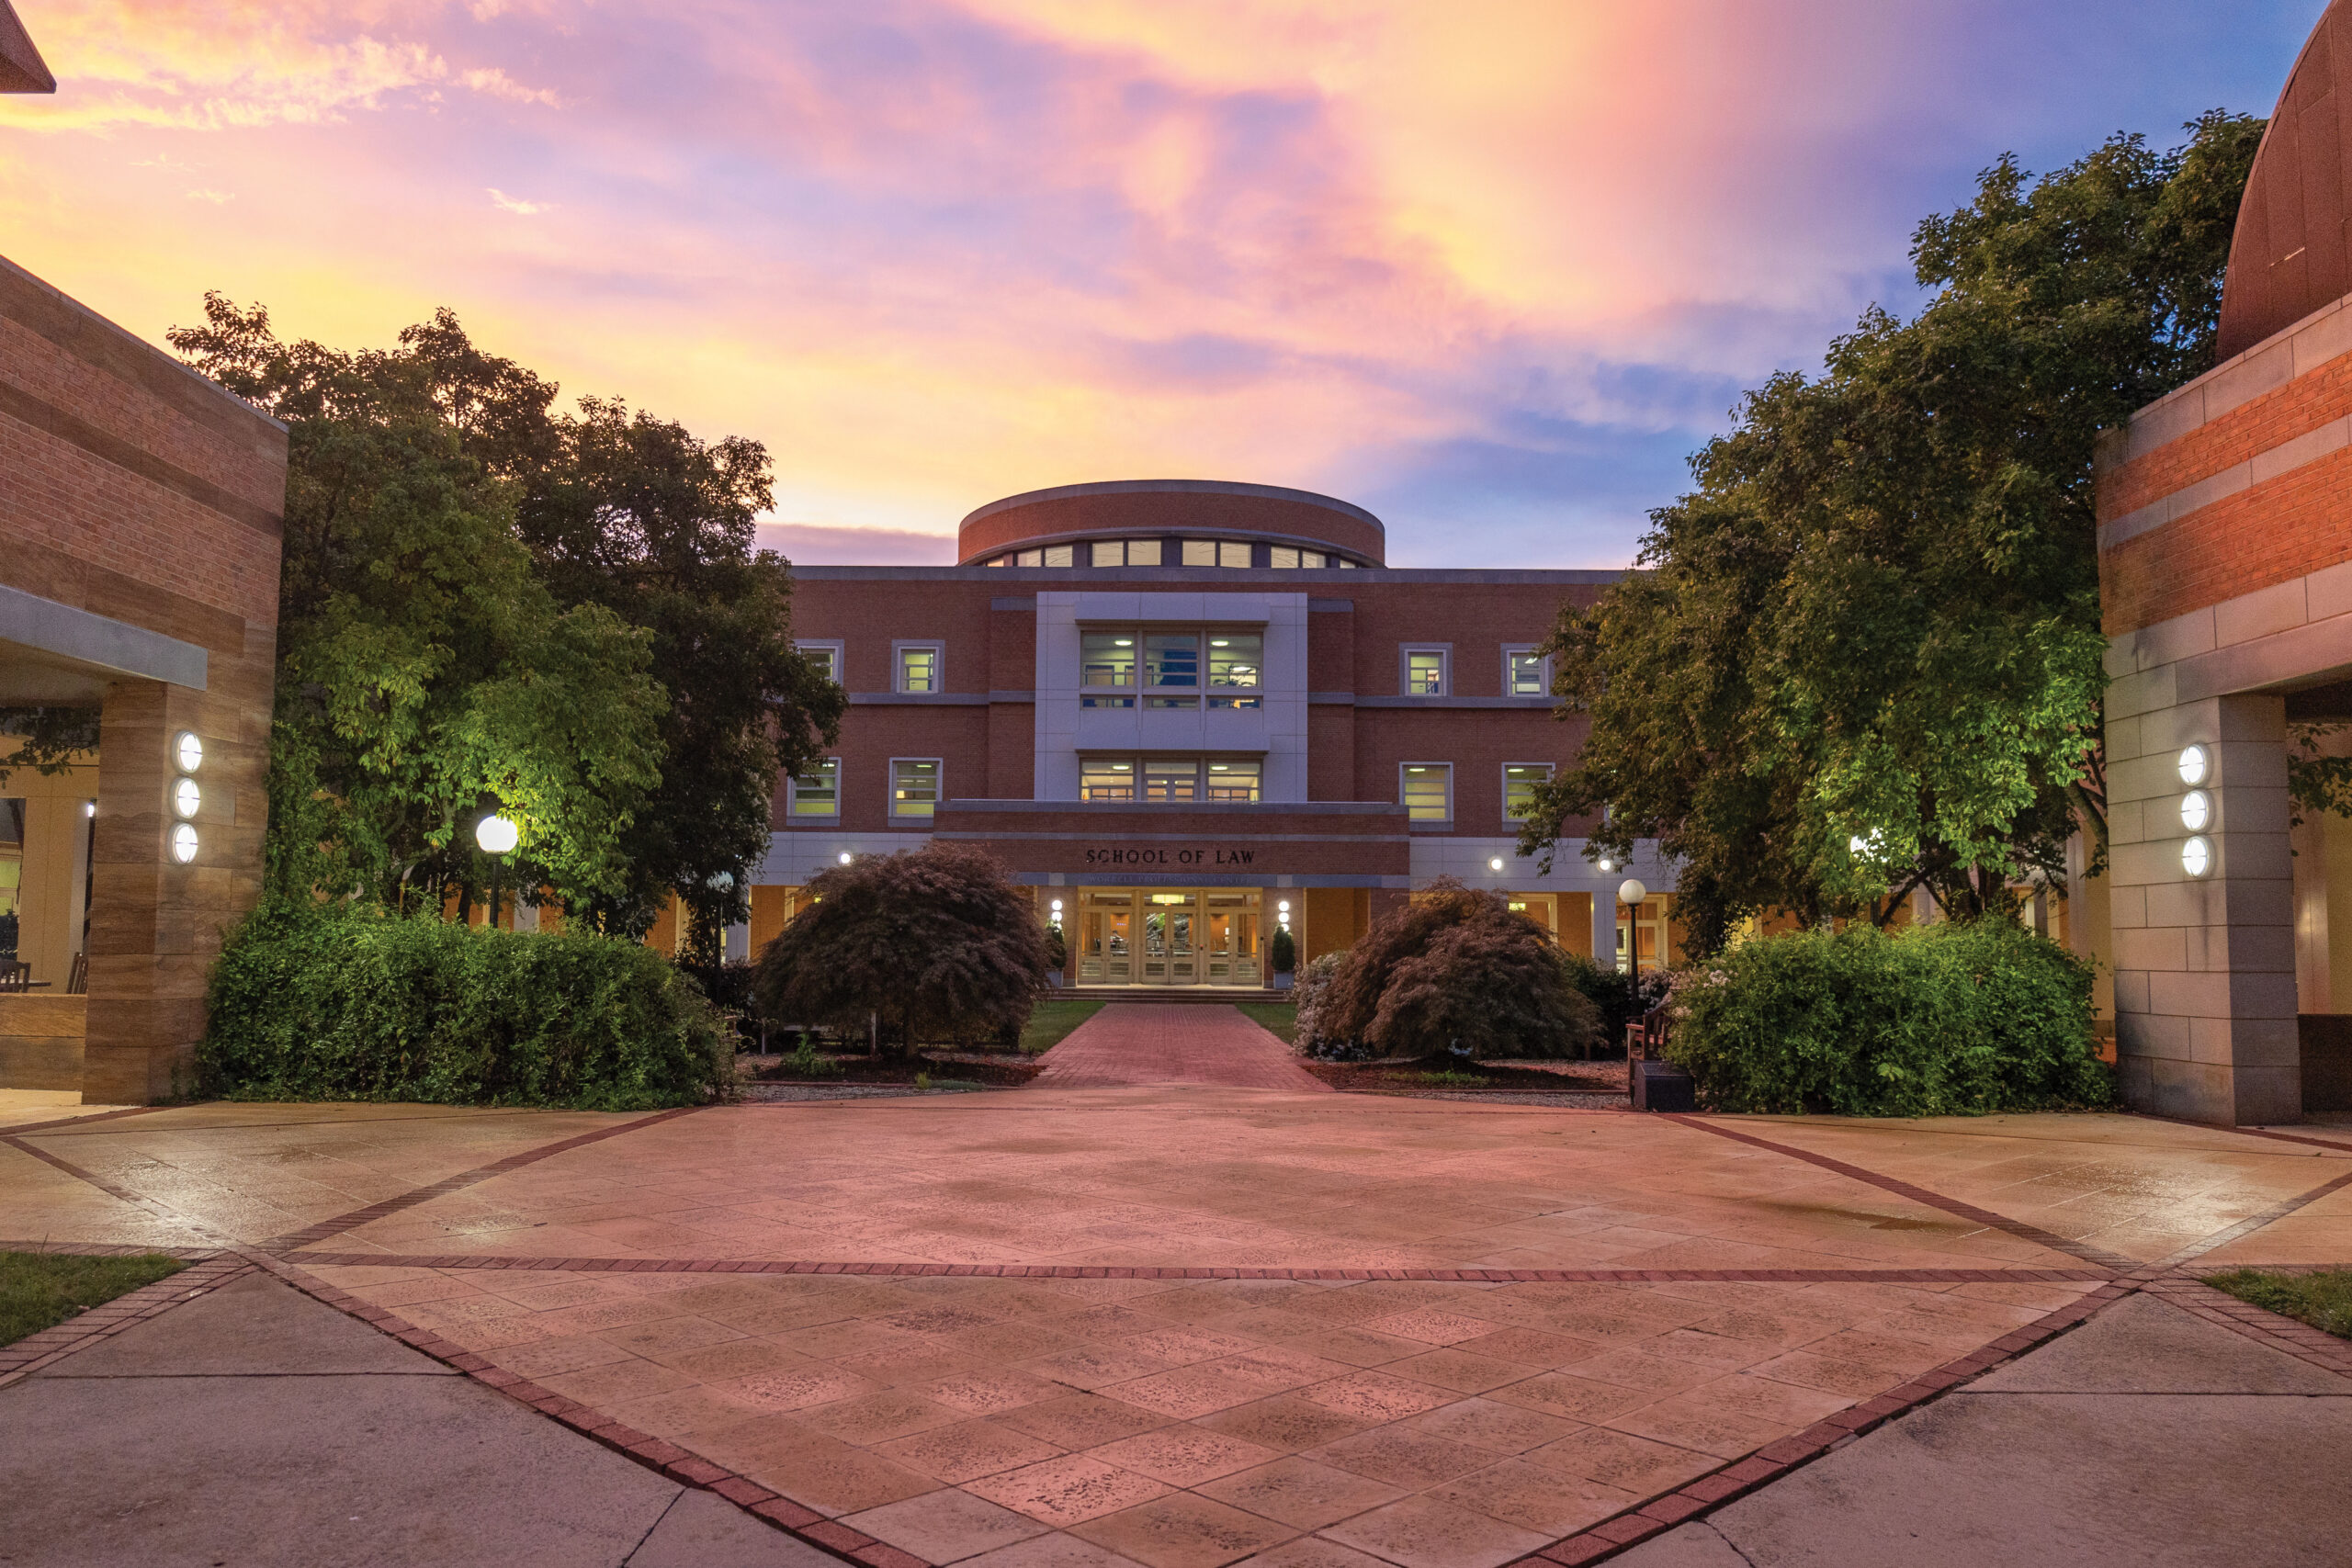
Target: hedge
[
  {"x": 1948, "y": 1019},
  {"x": 328, "y": 1004}
]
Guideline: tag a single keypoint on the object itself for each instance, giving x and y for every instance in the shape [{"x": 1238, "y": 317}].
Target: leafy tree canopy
[
  {"x": 488, "y": 602},
  {"x": 1864, "y": 654}
]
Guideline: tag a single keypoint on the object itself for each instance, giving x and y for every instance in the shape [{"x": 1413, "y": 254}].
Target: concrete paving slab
[
  {"x": 2145, "y": 1346},
  {"x": 704, "y": 1531},
  {"x": 249, "y": 1325}
]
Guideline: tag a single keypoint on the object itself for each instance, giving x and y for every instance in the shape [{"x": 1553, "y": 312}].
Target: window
[
  {"x": 1343, "y": 562},
  {"x": 1172, "y": 782},
  {"x": 1061, "y": 555},
  {"x": 1143, "y": 552},
  {"x": 1519, "y": 780},
  {"x": 819, "y": 793},
  {"x": 1234, "y": 782},
  {"x": 1428, "y": 790},
  {"x": 914, "y": 786},
  {"x": 1526, "y": 674},
  {"x": 1002, "y": 561},
  {"x": 1030, "y": 557},
  {"x": 825, "y": 658},
  {"x": 1232, "y": 553},
  {"x": 1108, "y": 552},
  {"x": 1171, "y": 670},
  {"x": 1237, "y": 671},
  {"x": 1283, "y": 556},
  {"x": 1200, "y": 552},
  {"x": 1101, "y": 779},
  {"x": 1425, "y": 671},
  {"x": 918, "y": 667},
  {"x": 1217, "y": 552}
]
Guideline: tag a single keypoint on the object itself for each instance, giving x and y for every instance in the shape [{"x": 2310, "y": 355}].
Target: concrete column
[
  {"x": 2205, "y": 966},
  {"x": 1604, "y": 928}
]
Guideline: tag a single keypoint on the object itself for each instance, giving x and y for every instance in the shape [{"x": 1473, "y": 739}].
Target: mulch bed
[
  {"x": 1481, "y": 1080},
  {"x": 971, "y": 1066}
]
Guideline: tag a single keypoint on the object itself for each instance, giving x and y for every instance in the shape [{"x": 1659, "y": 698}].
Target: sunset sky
[{"x": 1489, "y": 267}]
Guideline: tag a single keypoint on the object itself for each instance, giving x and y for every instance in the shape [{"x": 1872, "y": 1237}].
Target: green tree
[{"x": 1864, "y": 655}]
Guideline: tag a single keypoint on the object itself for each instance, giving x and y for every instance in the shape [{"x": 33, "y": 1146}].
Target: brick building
[
  {"x": 1187, "y": 714},
  {"x": 139, "y": 519},
  {"x": 2225, "y": 565}
]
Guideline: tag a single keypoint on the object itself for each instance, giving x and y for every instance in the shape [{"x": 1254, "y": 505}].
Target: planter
[
  {"x": 1281, "y": 982},
  {"x": 1661, "y": 1086},
  {"x": 1055, "y": 980}
]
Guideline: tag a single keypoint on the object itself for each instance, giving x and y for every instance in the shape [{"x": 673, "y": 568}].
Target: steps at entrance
[{"x": 1213, "y": 995}]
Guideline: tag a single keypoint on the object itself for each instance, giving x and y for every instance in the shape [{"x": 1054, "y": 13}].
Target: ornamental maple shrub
[
  {"x": 1957, "y": 1019},
  {"x": 932, "y": 945},
  {"x": 1456, "y": 970}
]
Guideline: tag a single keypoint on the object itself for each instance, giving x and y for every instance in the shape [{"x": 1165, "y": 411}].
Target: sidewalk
[
  {"x": 2146, "y": 1439},
  {"x": 255, "y": 1427},
  {"x": 1128, "y": 1045}
]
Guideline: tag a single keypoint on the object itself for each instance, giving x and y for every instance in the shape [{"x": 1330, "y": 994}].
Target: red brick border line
[
  {"x": 161, "y": 1210},
  {"x": 2244, "y": 1227},
  {"x": 676, "y": 1464},
  {"x": 2300, "y": 1340},
  {"x": 108, "y": 1319},
  {"x": 1115, "y": 1271},
  {"x": 310, "y": 1236},
  {"x": 2114, "y": 1262},
  {"x": 93, "y": 1116},
  {"x": 110, "y": 1249},
  {"x": 2340, "y": 1146},
  {"x": 1775, "y": 1460}
]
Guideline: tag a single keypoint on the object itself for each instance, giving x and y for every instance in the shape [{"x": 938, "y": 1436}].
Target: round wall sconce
[
  {"x": 187, "y": 750},
  {"x": 2196, "y": 856},
  {"x": 845, "y": 857},
  {"x": 186, "y": 797},
  {"x": 2193, "y": 764},
  {"x": 2196, "y": 810},
  {"x": 184, "y": 842},
  {"x": 89, "y": 809},
  {"x": 496, "y": 834},
  {"x": 1606, "y": 864},
  {"x": 1496, "y": 863}
]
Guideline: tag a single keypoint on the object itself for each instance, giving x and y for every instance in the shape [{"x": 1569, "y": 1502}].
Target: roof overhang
[{"x": 21, "y": 67}]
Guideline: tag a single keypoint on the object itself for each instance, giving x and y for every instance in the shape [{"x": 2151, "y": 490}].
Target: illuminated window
[
  {"x": 1109, "y": 659},
  {"x": 1520, "y": 781},
  {"x": 919, "y": 672},
  {"x": 825, "y": 658},
  {"x": 1313, "y": 560},
  {"x": 819, "y": 793},
  {"x": 1104, "y": 780},
  {"x": 1281, "y": 556},
  {"x": 1428, "y": 792},
  {"x": 1233, "y": 783},
  {"x": 1200, "y": 552},
  {"x": 1171, "y": 670},
  {"x": 1425, "y": 671},
  {"x": 1237, "y": 671},
  {"x": 1171, "y": 781},
  {"x": 1030, "y": 557},
  {"x": 1230, "y": 553},
  {"x": 1061, "y": 555},
  {"x": 1143, "y": 552},
  {"x": 914, "y": 786},
  {"x": 1526, "y": 674},
  {"x": 1002, "y": 561},
  {"x": 1108, "y": 552}
]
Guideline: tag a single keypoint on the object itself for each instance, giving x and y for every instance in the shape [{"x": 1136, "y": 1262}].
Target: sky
[{"x": 1492, "y": 268}]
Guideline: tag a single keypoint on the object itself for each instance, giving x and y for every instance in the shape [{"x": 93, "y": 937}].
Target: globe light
[
  {"x": 496, "y": 834},
  {"x": 1058, "y": 905},
  {"x": 2196, "y": 810},
  {"x": 187, "y": 750},
  {"x": 2193, "y": 762},
  {"x": 1281, "y": 906},
  {"x": 845, "y": 857},
  {"x": 1607, "y": 864},
  {"x": 1496, "y": 863},
  {"x": 1631, "y": 891},
  {"x": 184, "y": 842},
  {"x": 2196, "y": 857},
  {"x": 186, "y": 797}
]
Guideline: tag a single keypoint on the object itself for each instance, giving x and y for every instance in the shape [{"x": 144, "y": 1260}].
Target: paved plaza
[{"x": 1186, "y": 1322}]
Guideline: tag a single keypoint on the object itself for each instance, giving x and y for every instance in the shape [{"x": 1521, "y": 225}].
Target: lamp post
[
  {"x": 496, "y": 835},
  {"x": 1631, "y": 892}
]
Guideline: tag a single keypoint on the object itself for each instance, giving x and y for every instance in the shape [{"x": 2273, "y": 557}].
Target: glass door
[
  {"x": 1170, "y": 926},
  {"x": 1107, "y": 949},
  {"x": 1230, "y": 955}
]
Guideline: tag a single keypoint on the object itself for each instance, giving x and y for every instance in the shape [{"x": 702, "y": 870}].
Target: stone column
[
  {"x": 2205, "y": 965},
  {"x": 1604, "y": 927}
]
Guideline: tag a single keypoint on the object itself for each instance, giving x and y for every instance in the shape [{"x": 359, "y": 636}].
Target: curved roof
[
  {"x": 1207, "y": 507},
  {"x": 2290, "y": 254},
  {"x": 21, "y": 69}
]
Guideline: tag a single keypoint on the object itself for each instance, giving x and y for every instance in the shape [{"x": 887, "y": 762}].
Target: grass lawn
[
  {"x": 42, "y": 1289},
  {"x": 1052, "y": 1022},
  {"x": 1278, "y": 1019},
  {"x": 2322, "y": 1299}
]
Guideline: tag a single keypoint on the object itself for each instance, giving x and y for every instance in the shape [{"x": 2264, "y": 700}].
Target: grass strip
[
  {"x": 40, "y": 1290},
  {"x": 1277, "y": 1018},
  {"x": 2322, "y": 1299},
  {"x": 1052, "y": 1022}
]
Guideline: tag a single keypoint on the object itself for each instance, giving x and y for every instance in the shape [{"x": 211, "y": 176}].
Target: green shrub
[
  {"x": 1951, "y": 1020},
  {"x": 1282, "y": 953},
  {"x": 338, "y": 1003}
]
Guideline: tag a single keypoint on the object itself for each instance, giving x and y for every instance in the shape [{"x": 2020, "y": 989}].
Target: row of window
[
  {"x": 1426, "y": 789},
  {"x": 1171, "y": 669},
  {"x": 1238, "y": 554}
]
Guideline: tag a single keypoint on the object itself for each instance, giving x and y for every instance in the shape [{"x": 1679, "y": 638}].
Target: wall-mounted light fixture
[
  {"x": 1282, "y": 913},
  {"x": 2196, "y": 856},
  {"x": 187, "y": 797},
  {"x": 2193, "y": 764}
]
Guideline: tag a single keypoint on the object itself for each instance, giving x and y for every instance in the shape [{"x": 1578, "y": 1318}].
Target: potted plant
[
  {"x": 1057, "y": 955},
  {"x": 1282, "y": 957}
]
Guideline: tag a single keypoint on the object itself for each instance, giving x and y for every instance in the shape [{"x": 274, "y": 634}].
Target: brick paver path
[{"x": 1129, "y": 1045}]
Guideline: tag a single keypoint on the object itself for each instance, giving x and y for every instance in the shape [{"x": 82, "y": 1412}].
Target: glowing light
[
  {"x": 845, "y": 857},
  {"x": 2196, "y": 857},
  {"x": 188, "y": 750},
  {"x": 1496, "y": 863},
  {"x": 2196, "y": 810},
  {"x": 186, "y": 797},
  {"x": 496, "y": 834},
  {"x": 90, "y": 808},
  {"x": 184, "y": 842},
  {"x": 2193, "y": 762},
  {"x": 1631, "y": 891}
]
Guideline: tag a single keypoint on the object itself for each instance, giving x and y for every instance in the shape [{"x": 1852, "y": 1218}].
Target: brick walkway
[{"x": 1129, "y": 1045}]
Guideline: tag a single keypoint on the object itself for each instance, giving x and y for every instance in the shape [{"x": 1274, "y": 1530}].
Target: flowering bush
[
  {"x": 1314, "y": 1037},
  {"x": 1948, "y": 1019}
]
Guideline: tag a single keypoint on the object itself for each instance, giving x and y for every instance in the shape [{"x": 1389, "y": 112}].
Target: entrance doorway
[{"x": 1154, "y": 936}]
